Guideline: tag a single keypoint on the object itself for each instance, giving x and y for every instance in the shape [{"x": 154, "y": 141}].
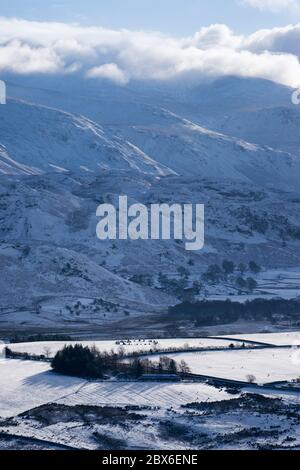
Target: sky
[
  {"x": 125, "y": 40},
  {"x": 175, "y": 17}
]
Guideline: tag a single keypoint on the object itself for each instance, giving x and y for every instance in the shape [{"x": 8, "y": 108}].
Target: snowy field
[
  {"x": 278, "y": 339},
  {"x": 51, "y": 347},
  {"x": 131, "y": 415},
  {"x": 159, "y": 394},
  {"x": 283, "y": 283},
  {"x": 27, "y": 384},
  {"x": 267, "y": 365}
]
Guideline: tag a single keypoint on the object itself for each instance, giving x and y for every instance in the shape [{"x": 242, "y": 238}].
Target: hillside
[
  {"x": 57, "y": 166},
  {"x": 35, "y": 139}
]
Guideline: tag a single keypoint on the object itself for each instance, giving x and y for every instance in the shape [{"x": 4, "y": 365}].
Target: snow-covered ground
[
  {"x": 59, "y": 410},
  {"x": 144, "y": 394},
  {"x": 51, "y": 347},
  {"x": 283, "y": 283},
  {"x": 68, "y": 164},
  {"x": 278, "y": 339},
  {"x": 56, "y": 168},
  {"x": 266, "y": 365},
  {"x": 27, "y": 384}
]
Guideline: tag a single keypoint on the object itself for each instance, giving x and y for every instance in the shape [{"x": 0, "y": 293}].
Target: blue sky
[{"x": 176, "y": 17}]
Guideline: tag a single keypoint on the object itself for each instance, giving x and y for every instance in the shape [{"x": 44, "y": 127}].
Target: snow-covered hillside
[
  {"x": 259, "y": 125},
  {"x": 153, "y": 139},
  {"x": 51, "y": 258},
  {"x": 35, "y": 139},
  {"x": 190, "y": 149},
  {"x": 61, "y": 157}
]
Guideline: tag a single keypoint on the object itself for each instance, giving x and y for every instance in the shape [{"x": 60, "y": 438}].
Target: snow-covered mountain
[
  {"x": 61, "y": 157},
  {"x": 190, "y": 149},
  {"x": 35, "y": 139},
  {"x": 51, "y": 258},
  {"x": 277, "y": 127}
]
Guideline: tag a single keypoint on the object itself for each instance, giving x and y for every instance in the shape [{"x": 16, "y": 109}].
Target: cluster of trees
[
  {"x": 142, "y": 279},
  {"x": 96, "y": 306},
  {"x": 248, "y": 284},
  {"x": 239, "y": 276},
  {"x": 83, "y": 361},
  {"x": 165, "y": 365},
  {"x": 78, "y": 361},
  {"x": 172, "y": 285},
  {"x": 72, "y": 270},
  {"x": 180, "y": 287},
  {"x": 254, "y": 222},
  {"x": 221, "y": 312},
  {"x": 39, "y": 337},
  {"x": 266, "y": 221},
  {"x": 228, "y": 271},
  {"x": 27, "y": 356}
]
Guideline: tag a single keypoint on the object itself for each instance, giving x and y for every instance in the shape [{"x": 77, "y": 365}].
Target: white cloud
[
  {"x": 273, "y": 5},
  {"x": 20, "y": 57},
  {"x": 122, "y": 55},
  {"x": 276, "y": 40},
  {"x": 110, "y": 72}
]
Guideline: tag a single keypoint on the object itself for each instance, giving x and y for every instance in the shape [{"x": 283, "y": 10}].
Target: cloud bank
[{"x": 97, "y": 53}]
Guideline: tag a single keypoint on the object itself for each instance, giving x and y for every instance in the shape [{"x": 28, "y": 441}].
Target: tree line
[
  {"x": 89, "y": 362},
  {"x": 213, "y": 312}
]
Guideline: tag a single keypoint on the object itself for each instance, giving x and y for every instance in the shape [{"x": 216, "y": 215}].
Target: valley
[{"x": 219, "y": 144}]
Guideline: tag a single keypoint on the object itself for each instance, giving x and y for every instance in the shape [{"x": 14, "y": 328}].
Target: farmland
[{"x": 42, "y": 409}]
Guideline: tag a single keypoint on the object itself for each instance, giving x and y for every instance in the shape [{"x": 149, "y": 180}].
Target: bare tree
[
  {"x": 184, "y": 368},
  {"x": 47, "y": 352},
  {"x": 251, "y": 379},
  {"x": 121, "y": 351}
]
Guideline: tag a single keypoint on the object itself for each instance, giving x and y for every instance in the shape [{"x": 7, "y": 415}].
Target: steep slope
[
  {"x": 57, "y": 167},
  {"x": 51, "y": 259},
  {"x": 277, "y": 127},
  {"x": 189, "y": 149},
  {"x": 184, "y": 145},
  {"x": 37, "y": 139}
]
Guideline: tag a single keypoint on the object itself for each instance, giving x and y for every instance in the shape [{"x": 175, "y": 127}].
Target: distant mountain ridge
[{"x": 37, "y": 138}]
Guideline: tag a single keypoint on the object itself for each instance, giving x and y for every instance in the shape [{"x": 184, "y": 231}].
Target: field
[
  {"x": 267, "y": 365},
  {"x": 26, "y": 384},
  {"x": 129, "y": 346},
  {"x": 64, "y": 413},
  {"x": 277, "y": 339},
  {"x": 43, "y": 410},
  {"x": 280, "y": 282},
  {"x": 144, "y": 394}
]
